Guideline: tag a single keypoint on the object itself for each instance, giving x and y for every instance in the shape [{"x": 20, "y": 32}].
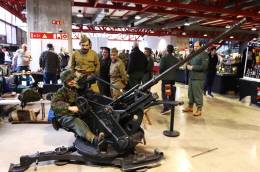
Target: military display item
[
  {"x": 120, "y": 120},
  {"x": 29, "y": 95}
]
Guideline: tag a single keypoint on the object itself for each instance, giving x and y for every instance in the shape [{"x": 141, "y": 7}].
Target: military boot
[
  {"x": 188, "y": 109},
  {"x": 198, "y": 112},
  {"x": 99, "y": 140}
]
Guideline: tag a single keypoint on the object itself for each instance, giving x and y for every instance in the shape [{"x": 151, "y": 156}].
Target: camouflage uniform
[
  {"x": 118, "y": 77},
  {"x": 60, "y": 103}
]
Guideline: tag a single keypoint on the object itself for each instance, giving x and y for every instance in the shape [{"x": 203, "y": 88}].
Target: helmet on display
[{"x": 67, "y": 75}]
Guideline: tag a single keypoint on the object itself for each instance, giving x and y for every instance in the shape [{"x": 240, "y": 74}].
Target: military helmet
[{"x": 67, "y": 75}]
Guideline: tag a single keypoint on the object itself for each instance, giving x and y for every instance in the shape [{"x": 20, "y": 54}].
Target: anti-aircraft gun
[{"x": 120, "y": 120}]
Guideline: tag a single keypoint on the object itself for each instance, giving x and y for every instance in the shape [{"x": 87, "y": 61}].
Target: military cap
[
  {"x": 67, "y": 75},
  {"x": 84, "y": 38}
]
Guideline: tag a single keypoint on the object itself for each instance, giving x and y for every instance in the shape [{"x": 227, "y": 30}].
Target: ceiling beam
[
  {"x": 14, "y": 8},
  {"x": 170, "y": 32},
  {"x": 194, "y": 7},
  {"x": 150, "y": 10}
]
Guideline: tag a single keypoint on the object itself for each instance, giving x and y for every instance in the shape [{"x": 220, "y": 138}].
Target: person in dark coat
[
  {"x": 167, "y": 61},
  {"x": 149, "y": 68},
  {"x": 105, "y": 62},
  {"x": 2, "y": 56},
  {"x": 64, "y": 58},
  {"x": 136, "y": 66},
  {"x": 211, "y": 71},
  {"x": 50, "y": 63},
  {"x": 197, "y": 67}
]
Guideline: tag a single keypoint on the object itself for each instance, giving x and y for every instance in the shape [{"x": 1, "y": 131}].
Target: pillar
[{"x": 40, "y": 17}]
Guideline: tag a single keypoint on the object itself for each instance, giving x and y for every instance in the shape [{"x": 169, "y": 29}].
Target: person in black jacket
[
  {"x": 64, "y": 58},
  {"x": 2, "y": 56},
  {"x": 137, "y": 65},
  {"x": 211, "y": 72},
  {"x": 105, "y": 62},
  {"x": 50, "y": 63},
  {"x": 166, "y": 62}
]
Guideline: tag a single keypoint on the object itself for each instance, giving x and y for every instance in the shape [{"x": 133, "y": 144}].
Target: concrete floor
[{"x": 229, "y": 128}]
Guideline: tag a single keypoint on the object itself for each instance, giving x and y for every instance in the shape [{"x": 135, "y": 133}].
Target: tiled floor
[{"x": 225, "y": 139}]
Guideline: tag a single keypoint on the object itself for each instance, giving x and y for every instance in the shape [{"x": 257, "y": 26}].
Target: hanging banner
[
  {"x": 258, "y": 94},
  {"x": 43, "y": 35}
]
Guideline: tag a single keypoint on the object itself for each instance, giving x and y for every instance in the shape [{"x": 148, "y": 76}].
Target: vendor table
[
  {"x": 250, "y": 87},
  {"x": 16, "y": 101},
  {"x": 225, "y": 82}
]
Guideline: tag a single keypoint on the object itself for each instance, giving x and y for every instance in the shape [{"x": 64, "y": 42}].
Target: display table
[
  {"x": 250, "y": 87},
  {"x": 225, "y": 82},
  {"x": 16, "y": 101}
]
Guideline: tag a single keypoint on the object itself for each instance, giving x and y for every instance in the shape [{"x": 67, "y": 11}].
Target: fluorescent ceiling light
[
  {"x": 186, "y": 24},
  {"x": 228, "y": 26},
  {"x": 24, "y": 12},
  {"x": 137, "y": 17},
  {"x": 80, "y": 15},
  {"x": 253, "y": 29}
]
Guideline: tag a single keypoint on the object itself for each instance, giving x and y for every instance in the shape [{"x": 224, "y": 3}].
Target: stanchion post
[{"x": 170, "y": 91}]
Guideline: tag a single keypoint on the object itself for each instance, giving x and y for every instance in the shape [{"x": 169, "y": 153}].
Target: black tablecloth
[
  {"x": 250, "y": 88},
  {"x": 224, "y": 83}
]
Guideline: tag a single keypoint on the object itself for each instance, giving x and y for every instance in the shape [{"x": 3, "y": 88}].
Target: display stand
[
  {"x": 170, "y": 91},
  {"x": 249, "y": 85},
  {"x": 224, "y": 83}
]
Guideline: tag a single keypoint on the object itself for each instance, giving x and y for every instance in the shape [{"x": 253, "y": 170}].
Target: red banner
[
  {"x": 42, "y": 35},
  {"x": 258, "y": 93}
]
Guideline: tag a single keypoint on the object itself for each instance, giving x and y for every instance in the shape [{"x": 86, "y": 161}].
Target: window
[
  {"x": 2, "y": 13},
  {"x": 13, "y": 35},
  {"x": 8, "y": 33},
  {"x": 2, "y": 30}
]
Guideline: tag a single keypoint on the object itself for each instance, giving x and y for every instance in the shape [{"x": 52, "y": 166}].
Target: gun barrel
[{"x": 153, "y": 81}]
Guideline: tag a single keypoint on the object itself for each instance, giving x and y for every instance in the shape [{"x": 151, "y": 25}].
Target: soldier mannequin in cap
[
  {"x": 118, "y": 75},
  {"x": 85, "y": 61},
  {"x": 63, "y": 104},
  {"x": 197, "y": 67}
]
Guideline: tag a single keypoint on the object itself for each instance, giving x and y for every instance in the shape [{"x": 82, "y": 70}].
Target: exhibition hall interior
[{"x": 129, "y": 85}]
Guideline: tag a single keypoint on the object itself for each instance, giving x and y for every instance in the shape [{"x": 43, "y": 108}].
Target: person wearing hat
[
  {"x": 197, "y": 67},
  {"x": 85, "y": 61},
  {"x": 66, "y": 111},
  {"x": 118, "y": 75},
  {"x": 167, "y": 61}
]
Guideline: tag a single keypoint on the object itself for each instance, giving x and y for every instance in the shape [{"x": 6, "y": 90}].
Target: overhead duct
[{"x": 189, "y": 21}]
